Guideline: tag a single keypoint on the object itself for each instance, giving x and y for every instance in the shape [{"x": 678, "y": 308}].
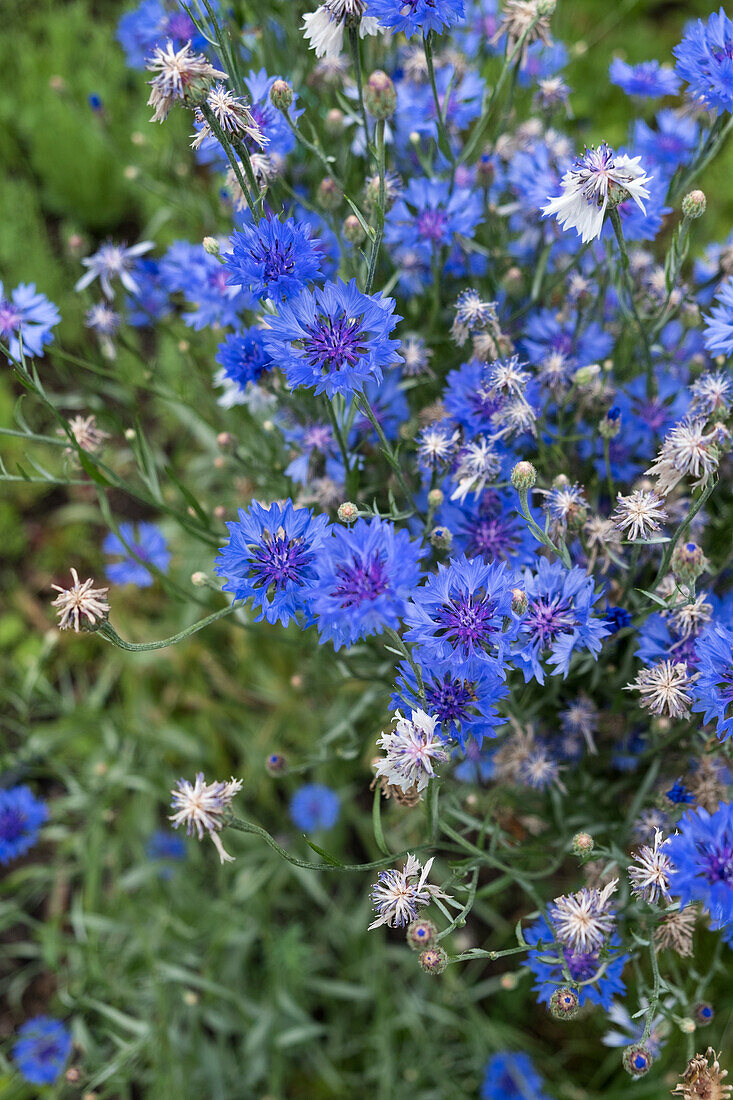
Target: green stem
[
  {"x": 562, "y": 551},
  {"x": 356, "y": 59},
  {"x": 656, "y": 992},
  {"x": 221, "y": 137},
  {"x": 681, "y": 530},
  {"x": 651, "y": 384},
  {"x": 362, "y": 402},
  {"x": 379, "y": 228},
  {"x": 109, "y": 633},
  {"x": 444, "y": 141}
]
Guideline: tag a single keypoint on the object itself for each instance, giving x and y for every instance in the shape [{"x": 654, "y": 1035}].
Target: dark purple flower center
[
  {"x": 276, "y": 260},
  {"x": 318, "y": 436},
  {"x": 482, "y": 402},
  {"x": 490, "y": 537},
  {"x": 431, "y": 225},
  {"x": 361, "y": 581},
  {"x": 178, "y": 25},
  {"x": 725, "y": 685},
  {"x": 546, "y": 618},
  {"x": 10, "y": 317},
  {"x": 581, "y": 966},
  {"x": 450, "y": 699},
  {"x": 12, "y": 823},
  {"x": 335, "y": 342},
  {"x": 717, "y": 862},
  {"x": 280, "y": 561},
  {"x": 468, "y": 620}
]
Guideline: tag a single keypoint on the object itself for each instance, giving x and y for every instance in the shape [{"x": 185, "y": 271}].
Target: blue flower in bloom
[
  {"x": 648, "y": 78},
  {"x": 559, "y": 619},
  {"x": 678, "y": 794},
  {"x": 511, "y": 1077},
  {"x": 242, "y": 356},
  {"x": 583, "y": 966},
  {"x": 21, "y": 816},
  {"x": 273, "y": 259},
  {"x": 671, "y": 144},
  {"x": 165, "y": 845},
  {"x": 546, "y": 334},
  {"x": 26, "y": 316},
  {"x": 705, "y": 61},
  {"x": 417, "y": 15},
  {"x": 140, "y": 30},
  {"x": 469, "y": 399},
  {"x": 145, "y": 542},
  {"x": 429, "y": 214},
  {"x": 151, "y": 301},
  {"x": 713, "y": 688},
  {"x": 416, "y": 110},
  {"x": 542, "y": 61},
  {"x": 334, "y": 339},
  {"x": 464, "y": 613},
  {"x": 366, "y": 573},
  {"x": 42, "y": 1050},
  {"x": 314, "y": 807},
  {"x": 702, "y": 855},
  {"x": 464, "y": 703},
  {"x": 187, "y": 269},
  {"x": 488, "y": 526},
  {"x": 271, "y": 557},
  {"x": 477, "y": 765},
  {"x": 718, "y": 333}
]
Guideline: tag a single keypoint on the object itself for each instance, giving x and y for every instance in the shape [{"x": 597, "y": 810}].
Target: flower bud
[
  {"x": 637, "y": 1060},
  {"x": 610, "y": 425},
  {"x": 335, "y": 121},
  {"x": 329, "y": 194},
  {"x": 353, "y": 230},
  {"x": 693, "y": 204},
  {"x": 434, "y": 960},
  {"x": 347, "y": 512},
  {"x": 582, "y": 845},
  {"x": 704, "y": 1013},
  {"x": 225, "y": 440},
  {"x": 211, "y": 246},
  {"x": 513, "y": 282},
  {"x": 281, "y": 95},
  {"x": 688, "y": 562},
  {"x": 276, "y": 764},
  {"x": 519, "y": 601},
  {"x": 687, "y": 1025},
  {"x": 129, "y": 434},
  {"x": 524, "y": 475},
  {"x": 421, "y": 934},
  {"x": 435, "y": 498},
  {"x": 509, "y": 981},
  {"x": 441, "y": 538},
  {"x": 584, "y": 375},
  {"x": 199, "y": 579},
  {"x": 564, "y": 1003},
  {"x": 380, "y": 97},
  {"x": 485, "y": 171}
]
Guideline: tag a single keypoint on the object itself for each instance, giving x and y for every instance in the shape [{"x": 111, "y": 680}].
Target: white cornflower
[
  {"x": 664, "y": 688},
  {"x": 689, "y": 618},
  {"x": 324, "y": 27},
  {"x": 472, "y": 314},
  {"x": 712, "y": 394},
  {"x": 201, "y": 806},
  {"x": 102, "y": 319},
  {"x": 638, "y": 514},
  {"x": 180, "y": 75},
  {"x": 478, "y": 464},
  {"x": 581, "y": 717},
  {"x": 416, "y": 356},
  {"x": 687, "y": 449},
  {"x": 86, "y": 433},
  {"x": 566, "y": 505},
  {"x": 507, "y": 376},
  {"x": 396, "y": 897},
  {"x": 514, "y": 418},
  {"x": 436, "y": 444},
  {"x": 232, "y": 114},
  {"x": 410, "y": 750},
  {"x": 650, "y": 872},
  {"x": 539, "y": 770},
  {"x": 82, "y": 599},
  {"x": 554, "y": 371},
  {"x": 583, "y": 921},
  {"x": 602, "y": 538},
  {"x": 527, "y": 21},
  {"x": 597, "y": 178},
  {"x": 113, "y": 261}
]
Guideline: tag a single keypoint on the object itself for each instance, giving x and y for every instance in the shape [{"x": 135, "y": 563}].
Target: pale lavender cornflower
[
  {"x": 513, "y": 418},
  {"x": 689, "y": 618},
  {"x": 525, "y": 22},
  {"x": 85, "y": 432},
  {"x": 583, "y": 921},
  {"x": 650, "y": 872},
  {"x": 113, "y": 261},
  {"x": 472, "y": 314},
  {"x": 539, "y": 770},
  {"x": 664, "y": 688},
  {"x": 712, "y": 394},
  {"x": 324, "y": 27},
  {"x": 436, "y": 445},
  {"x": 596, "y": 179},
  {"x": 233, "y": 115},
  {"x": 102, "y": 319},
  {"x": 181, "y": 75},
  {"x": 81, "y": 606},
  {"x": 477, "y": 465},
  {"x": 201, "y": 807},
  {"x": 416, "y": 356},
  {"x": 581, "y": 717},
  {"x": 602, "y": 540},
  {"x": 410, "y": 750},
  {"x": 566, "y": 506},
  {"x": 506, "y": 376},
  {"x": 398, "y": 895},
  {"x": 688, "y": 449},
  {"x": 638, "y": 514}
]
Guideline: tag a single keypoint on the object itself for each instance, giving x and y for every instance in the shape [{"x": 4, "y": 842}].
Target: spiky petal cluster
[
  {"x": 273, "y": 259},
  {"x": 705, "y": 61},
  {"x": 410, "y": 750},
  {"x": 702, "y": 856},
  {"x": 584, "y": 921},
  {"x": 597, "y": 178},
  {"x": 650, "y": 871},
  {"x": 639, "y": 514},
  {"x": 180, "y": 76},
  {"x": 200, "y": 807},
  {"x": 324, "y": 27},
  {"x": 398, "y": 895},
  {"x": 82, "y": 606},
  {"x": 233, "y": 115},
  {"x": 688, "y": 450},
  {"x": 664, "y": 688}
]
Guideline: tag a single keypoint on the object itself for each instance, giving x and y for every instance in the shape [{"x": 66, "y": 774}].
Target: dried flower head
[
  {"x": 410, "y": 750},
  {"x": 181, "y": 75},
  {"x": 664, "y": 688},
  {"x": 703, "y": 1079},
  {"x": 398, "y": 894},
  {"x": 233, "y": 115},
  {"x": 81, "y": 606},
  {"x": 638, "y": 514},
  {"x": 676, "y": 930},
  {"x": 583, "y": 921},
  {"x": 525, "y": 21},
  {"x": 650, "y": 871},
  {"x": 201, "y": 805}
]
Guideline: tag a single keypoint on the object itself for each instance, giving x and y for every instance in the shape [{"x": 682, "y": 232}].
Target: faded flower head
[
  {"x": 410, "y": 751},
  {"x": 664, "y": 688},
  {"x": 82, "y": 606},
  {"x": 584, "y": 921},
  {"x": 180, "y": 75},
  {"x": 598, "y": 178},
  {"x": 201, "y": 805},
  {"x": 703, "y": 1079},
  {"x": 398, "y": 895},
  {"x": 638, "y": 514},
  {"x": 650, "y": 871}
]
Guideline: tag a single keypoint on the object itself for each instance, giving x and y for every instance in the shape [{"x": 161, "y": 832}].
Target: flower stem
[{"x": 110, "y": 634}]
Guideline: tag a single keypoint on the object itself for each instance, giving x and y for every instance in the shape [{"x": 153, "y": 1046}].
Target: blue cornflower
[
  {"x": 477, "y": 765},
  {"x": 559, "y": 619},
  {"x": 273, "y": 259},
  {"x": 628, "y": 1030},
  {"x": 713, "y": 688},
  {"x": 679, "y": 795},
  {"x": 604, "y": 976},
  {"x": 113, "y": 261},
  {"x": 616, "y": 618},
  {"x": 542, "y": 61},
  {"x": 333, "y": 338},
  {"x": 460, "y": 103},
  {"x": 141, "y": 29},
  {"x": 163, "y": 844},
  {"x": 705, "y": 61},
  {"x": 189, "y": 270},
  {"x": 463, "y": 702},
  {"x": 672, "y": 143},
  {"x": 718, "y": 333},
  {"x": 417, "y": 15},
  {"x": 26, "y": 316},
  {"x": 42, "y": 1050},
  {"x": 314, "y": 807},
  {"x": 464, "y": 613},
  {"x": 648, "y": 78},
  {"x": 151, "y": 301},
  {"x": 145, "y": 542},
  {"x": 488, "y": 526},
  {"x": 271, "y": 558},
  {"x": 366, "y": 574},
  {"x": 242, "y": 357},
  {"x": 546, "y": 334},
  {"x": 511, "y": 1077},
  {"x": 469, "y": 399},
  {"x": 429, "y": 214},
  {"x": 21, "y": 816},
  {"x": 702, "y": 855}
]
